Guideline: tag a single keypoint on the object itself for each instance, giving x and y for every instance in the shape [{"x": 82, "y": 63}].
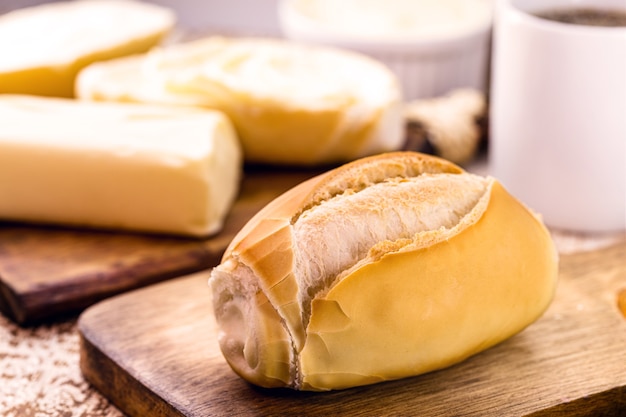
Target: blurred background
[{"x": 253, "y": 17}]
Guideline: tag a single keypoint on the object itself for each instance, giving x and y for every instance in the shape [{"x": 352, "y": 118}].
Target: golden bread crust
[{"x": 441, "y": 256}]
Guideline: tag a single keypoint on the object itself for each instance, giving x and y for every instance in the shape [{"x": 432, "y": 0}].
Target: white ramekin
[{"x": 425, "y": 67}]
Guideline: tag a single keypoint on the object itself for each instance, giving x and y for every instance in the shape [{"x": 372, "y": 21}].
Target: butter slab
[{"x": 172, "y": 170}]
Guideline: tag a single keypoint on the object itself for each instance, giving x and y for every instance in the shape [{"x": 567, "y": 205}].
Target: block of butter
[
  {"x": 291, "y": 104},
  {"x": 43, "y": 47},
  {"x": 170, "y": 170}
]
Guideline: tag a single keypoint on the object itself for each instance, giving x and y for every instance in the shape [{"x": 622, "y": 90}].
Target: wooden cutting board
[
  {"x": 154, "y": 352},
  {"x": 50, "y": 271}
]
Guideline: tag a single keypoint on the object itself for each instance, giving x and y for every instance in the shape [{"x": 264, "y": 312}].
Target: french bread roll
[
  {"x": 291, "y": 104},
  {"x": 43, "y": 47},
  {"x": 387, "y": 267}
]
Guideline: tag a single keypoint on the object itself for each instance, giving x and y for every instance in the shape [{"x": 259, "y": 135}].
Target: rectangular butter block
[
  {"x": 173, "y": 170},
  {"x": 44, "y": 47}
]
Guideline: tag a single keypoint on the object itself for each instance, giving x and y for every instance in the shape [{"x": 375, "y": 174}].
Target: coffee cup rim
[{"x": 529, "y": 17}]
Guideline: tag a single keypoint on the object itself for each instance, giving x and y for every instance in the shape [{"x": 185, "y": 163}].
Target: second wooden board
[{"x": 49, "y": 271}]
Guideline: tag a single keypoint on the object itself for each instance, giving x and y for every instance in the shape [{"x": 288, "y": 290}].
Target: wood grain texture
[
  {"x": 154, "y": 352},
  {"x": 50, "y": 271}
]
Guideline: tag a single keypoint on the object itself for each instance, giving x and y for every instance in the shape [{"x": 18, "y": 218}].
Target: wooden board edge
[
  {"x": 609, "y": 403},
  {"x": 106, "y": 376},
  {"x": 10, "y": 304},
  {"x": 27, "y": 309}
]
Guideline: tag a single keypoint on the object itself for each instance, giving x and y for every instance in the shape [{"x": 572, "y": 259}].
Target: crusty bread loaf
[
  {"x": 387, "y": 267},
  {"x": 291, "y": 104},
  {"x": 44, "y": 47}
]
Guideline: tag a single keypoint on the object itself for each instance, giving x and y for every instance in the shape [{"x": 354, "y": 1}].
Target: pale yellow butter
[
  {"x": 44, "y": 47},
  {"x": 173, "y": 170}
]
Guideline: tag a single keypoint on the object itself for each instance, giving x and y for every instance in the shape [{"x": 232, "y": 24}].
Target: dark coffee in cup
[{"x": 585, "y": 16}]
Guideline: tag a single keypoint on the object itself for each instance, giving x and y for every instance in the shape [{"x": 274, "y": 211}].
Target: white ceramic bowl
[{"x": 429, "y": 61}]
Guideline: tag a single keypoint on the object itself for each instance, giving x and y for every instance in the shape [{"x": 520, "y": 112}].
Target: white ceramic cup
[{"x": 558, "y": 114}]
